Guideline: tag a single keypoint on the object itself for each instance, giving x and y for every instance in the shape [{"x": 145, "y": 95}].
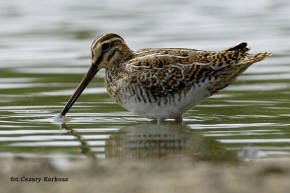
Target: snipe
[{"x": 163, "y": 83}]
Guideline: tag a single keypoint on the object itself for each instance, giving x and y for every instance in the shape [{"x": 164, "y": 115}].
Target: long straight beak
[{"x": 84, "y": 83}]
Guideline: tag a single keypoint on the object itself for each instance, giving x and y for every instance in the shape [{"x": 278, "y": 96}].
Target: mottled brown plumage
[{"x": 163, "y": 83}]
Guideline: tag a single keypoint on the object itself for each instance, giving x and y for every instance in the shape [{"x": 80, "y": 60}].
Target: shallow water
[{"x": 45, "y": 52}]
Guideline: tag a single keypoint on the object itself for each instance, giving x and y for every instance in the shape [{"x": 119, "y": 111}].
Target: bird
[{"x": 162, "y": 83}]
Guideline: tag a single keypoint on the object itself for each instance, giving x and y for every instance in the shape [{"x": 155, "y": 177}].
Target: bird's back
[{"x": 165, "y": 71}]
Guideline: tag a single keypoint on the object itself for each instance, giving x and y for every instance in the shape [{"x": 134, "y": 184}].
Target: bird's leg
[
  {"x": 179, "y": 120},
  {"x": 160, "y": 120}
]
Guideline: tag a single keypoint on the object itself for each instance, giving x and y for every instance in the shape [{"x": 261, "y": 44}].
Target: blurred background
[{"x": 45, "y": 51}]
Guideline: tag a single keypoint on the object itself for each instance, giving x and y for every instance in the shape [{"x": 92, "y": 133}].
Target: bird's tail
[{"x": 229, "y": 73}]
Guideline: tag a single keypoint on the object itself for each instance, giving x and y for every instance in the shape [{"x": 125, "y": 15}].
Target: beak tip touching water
[
  {"x": 60, "y": 119},
  {"x": 59, "y": 116}
]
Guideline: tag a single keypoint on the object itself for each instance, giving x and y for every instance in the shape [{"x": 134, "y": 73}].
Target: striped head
[{"x": 109, "y": 49}]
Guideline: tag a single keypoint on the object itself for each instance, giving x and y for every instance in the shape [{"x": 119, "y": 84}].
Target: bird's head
[{"x": 108, "y": 49}]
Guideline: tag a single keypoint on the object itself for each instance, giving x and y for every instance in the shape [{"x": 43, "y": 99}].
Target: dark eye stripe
[
  {"x": 99, "y": 60},
  {"x": 105, "y": 47}
]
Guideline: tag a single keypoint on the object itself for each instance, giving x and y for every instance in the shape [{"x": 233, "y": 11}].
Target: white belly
[{"x": 166, "y": 107}]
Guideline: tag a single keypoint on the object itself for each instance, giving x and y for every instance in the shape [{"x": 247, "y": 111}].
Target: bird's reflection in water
[
  {"x": 158, "y": 141},
  {"x": 153, "y": 141},
  {"x": 150, "y": 141}
]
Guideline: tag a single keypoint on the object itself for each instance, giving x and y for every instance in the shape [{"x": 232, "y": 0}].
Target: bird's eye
[{"x": 105, "y": 46}]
